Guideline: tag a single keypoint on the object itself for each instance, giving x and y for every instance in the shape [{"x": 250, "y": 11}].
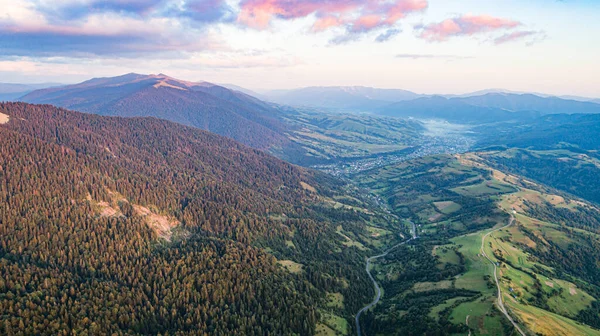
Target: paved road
[
  {"x": 500, "y": 303},
  {"x": 375, "y": 285}
]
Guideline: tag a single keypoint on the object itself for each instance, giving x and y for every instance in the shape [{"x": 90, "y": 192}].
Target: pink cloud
[
  {"x": 514, "y": 36},
  {"x": 401, "y": 8},
  {"x": 465, "y": 25},
  {"x": 354, "y": 15},
  {"x": 366, "y": 22},
  {"x": 327, "y": 22}
]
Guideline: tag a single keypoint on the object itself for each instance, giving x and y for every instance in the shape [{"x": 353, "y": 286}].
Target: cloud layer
[
  {"x": 132, "y": 28},
  {"x": 122, "y": 28},
  {"x": 532, "y": 37},
  {"x": 353, "y": 16},
  {"x": 465, "y": 25}
]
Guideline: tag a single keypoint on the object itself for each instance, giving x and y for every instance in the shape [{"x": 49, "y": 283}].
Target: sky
[{"x": 426, "y": 46}]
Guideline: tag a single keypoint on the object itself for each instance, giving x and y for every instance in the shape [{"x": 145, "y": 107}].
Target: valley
[
  {"x": 436, "y": 137},
  {"x": 475, "y": 253},
  {"x": 299, "y": 168},
  {"x": 498, "y": 213},
  {"x": 375, "y": 285}
]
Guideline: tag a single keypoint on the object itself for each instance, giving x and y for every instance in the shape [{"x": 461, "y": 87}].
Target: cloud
[
  {"x": 77, "y": 9},
  {"x": 121, "y": 28},
  {"x": 354, "y": 16},
  {"x": 21, "y": 65},
  {"x": 204, "y": 11},
  {"x": 327, "y": 22},
  {"x": 387, "y": 35},
  {"x": 532, "y": 37},
  {"x": 343, "y": 39},
  {"x": 465, "y": 25}
]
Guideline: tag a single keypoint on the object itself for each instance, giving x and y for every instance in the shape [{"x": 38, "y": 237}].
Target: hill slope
[
  {"x": 143, "y": 226},
  {"x": 203, "y": 105}
]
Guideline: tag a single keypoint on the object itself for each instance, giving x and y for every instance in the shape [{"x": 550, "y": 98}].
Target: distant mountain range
[
  {"x": 544, "y": 95},
  {"x": 491, "y": 107},
  {"x": 455, "y": 109},
  {"x": 204, "y": 105},
  {"x": 531, "y": 102},
  {"x": 249, "y": 92},
  {"x": 12, "y": 91},
  {"x": 366, "y": 99},
  {"x": 340, "y": 98},
  {"x": 242, "y": 114}
]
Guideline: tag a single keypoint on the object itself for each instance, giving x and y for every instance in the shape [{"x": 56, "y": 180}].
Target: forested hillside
[
  {"x": 113, "y": 225},
  {"x": 557, "y": 150},
  {"x": 578, "y": 131}
]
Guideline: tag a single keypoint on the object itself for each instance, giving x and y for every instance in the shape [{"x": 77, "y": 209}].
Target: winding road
[
  {"x": 500, "y": 302},
  {"x": 414, "y": 236},
  {"x": 375, "y": 285}
]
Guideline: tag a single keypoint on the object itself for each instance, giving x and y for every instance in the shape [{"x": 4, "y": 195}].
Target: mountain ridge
[
  {"x": 200, "y": 104},
  {"x": 491, "y": 107},
  {"x": 340, "y": 97}
]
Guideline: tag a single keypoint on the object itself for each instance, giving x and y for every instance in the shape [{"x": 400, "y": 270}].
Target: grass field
[
  {"x": 542, "y": 322},
  {"x": 333, "y": 323},
  {"x": 483, "y": 317},
  {"x": 447, "y": 207},
  {"x": 291, "y": 266},
  {"x": 335, "y": 300},
  {"x": 429, "y": 286},
  {"x": 324, "y": 330},
  {"x": 446, "y": 255},
  {"x": 485, "y": 188}
]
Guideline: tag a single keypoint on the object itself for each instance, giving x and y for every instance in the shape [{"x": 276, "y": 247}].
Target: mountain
[
  {"x": 249, "y": 92},
  {"x": 579, "y": 98},
  {"x": 547, "y": 132},
  {"x": 504, "y": 91},
  {"x": 484, "y": 92},
  {"x": 117, "y": 225},
  {"x": 491, "y": 107},
  {"x": 203, "y": 105},
  {"x": 530, "y": 102},
  {"x": 456, "y": 110},
  {"x": 12, "y": 91},
  {"x": 340, "y": 98},
  {"x": 366, "y": 99},
  {"x": 558, "y": 150}
]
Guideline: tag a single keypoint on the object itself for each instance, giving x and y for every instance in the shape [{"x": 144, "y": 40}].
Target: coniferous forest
[{"x": 142, "y": 226}]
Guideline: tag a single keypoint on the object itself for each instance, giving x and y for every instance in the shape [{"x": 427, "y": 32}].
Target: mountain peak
[{"x": 199, "y": 104}]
